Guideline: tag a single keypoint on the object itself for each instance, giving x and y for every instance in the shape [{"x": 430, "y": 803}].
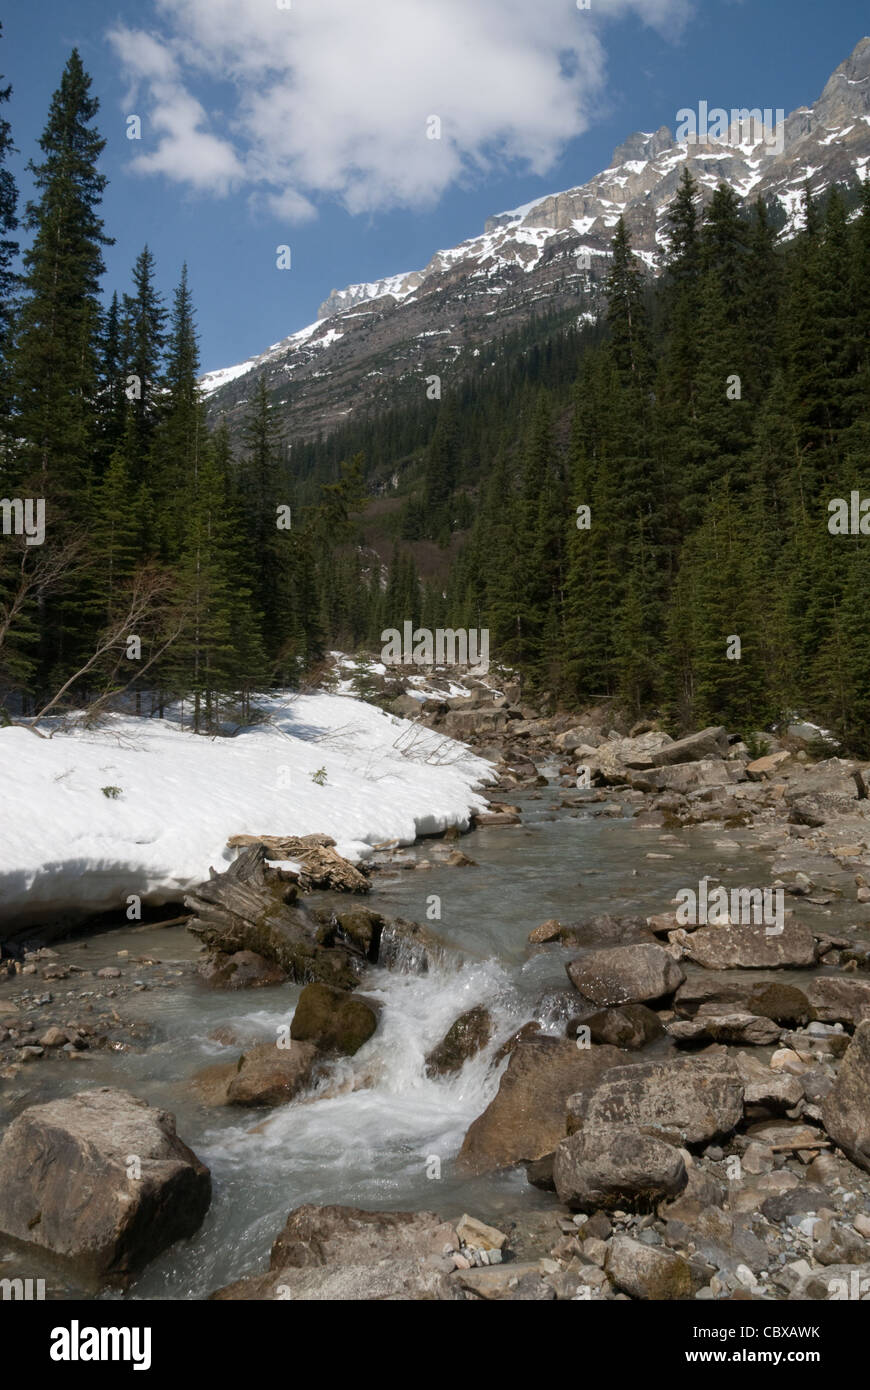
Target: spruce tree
[{"x": 56, "y": 361}]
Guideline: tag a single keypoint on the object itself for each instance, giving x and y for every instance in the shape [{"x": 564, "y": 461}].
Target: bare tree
[
  {"x": 34, "y": 572},
  {"x": 147, "y": 611}
]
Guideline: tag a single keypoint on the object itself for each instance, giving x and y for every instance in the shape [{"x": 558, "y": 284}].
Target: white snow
[
  {"x": 65, "y": 846},
  {"x": 213, "y": 381}
]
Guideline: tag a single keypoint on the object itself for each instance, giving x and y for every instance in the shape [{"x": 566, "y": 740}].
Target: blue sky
[{"x": 302, "y": 122}]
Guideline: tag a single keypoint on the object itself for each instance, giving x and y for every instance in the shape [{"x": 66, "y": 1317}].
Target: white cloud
[{"x": 330, "y": 98}]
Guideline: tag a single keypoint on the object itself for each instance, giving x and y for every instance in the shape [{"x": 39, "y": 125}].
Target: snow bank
[{"x": 67, "y": 846}]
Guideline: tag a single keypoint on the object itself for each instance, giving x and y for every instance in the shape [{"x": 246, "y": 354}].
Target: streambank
[{"x": 379, "y": 1131}]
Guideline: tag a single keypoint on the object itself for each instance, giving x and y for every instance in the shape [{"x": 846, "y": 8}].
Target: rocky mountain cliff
[{"x": 550, "y": 254}]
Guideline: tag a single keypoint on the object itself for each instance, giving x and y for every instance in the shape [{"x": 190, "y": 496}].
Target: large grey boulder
[
  {"x": 648, "y": 1271},
  {"x": 737, "y": 1029},
  {"x": 630, "y": 1026},
  {"x": 100, "y": 1180},
  {"x": 691, "y": 1100},
  {"x": 626, "y": 974},
  {"x": 846, "y": 1108},
  {"x": 707, "y": 743},
  {"x": 839, "y": 999},
  {"x": 750, "y": 947},
  {"x": 684, "y": 777},
  {"x": 342, "y": 1254},
  {"x": 609, "y": 1168},
  {"x": 526, "y": 1118},
  {"x": 784, "y": 1003}
]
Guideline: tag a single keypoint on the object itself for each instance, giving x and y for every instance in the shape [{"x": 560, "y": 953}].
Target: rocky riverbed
[{"x": 504, "y": 1068}]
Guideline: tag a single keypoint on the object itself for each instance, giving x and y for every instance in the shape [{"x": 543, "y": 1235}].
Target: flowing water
[{"x": 382, "y": 1134}]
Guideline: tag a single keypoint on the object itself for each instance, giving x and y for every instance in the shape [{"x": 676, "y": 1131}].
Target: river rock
[
  {"x": 839, "y": 999},
  {"x": 316, "y": 1236},
  {"x": 765, "y": 1089},
  {"x": 398, "y": 1280},
  {"x": 582, "y": 735},
  {"x": 272, "y": 1075},
  {"x": 846, "y": 1108},
  {"x": 615, "y": 757},
  {"x": 771, "y": 765},
  {"x": 774, "y": 999},
  {"x": 648, "y": 1271},
  {"x": 685, "y": 1101},
  {"x": 684, "y": 777},
  {"x": 464, "y": 1039},
  {"x": 626, "y": 974},
  {"x": 749, "y": 947},
  {"x": 734, "y": 1028},
  {"x": 526, "y": 1118},
  {"x": 817, "y": 808},
  {"x": 706, "y": 744},
  {"x": 337, "y": 1023},
  {"x": 605, "y": 929},
  {"x": 631, "y": 1026},
  {"x": 243, "y": 970},
  {"x": 65, "y": 1182},
  {"x": 342, "y": 1254},
  {"x": 606, "y": 1168}
]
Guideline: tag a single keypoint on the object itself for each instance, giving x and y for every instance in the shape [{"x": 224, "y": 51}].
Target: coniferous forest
[{"x": 626, "y": 506}]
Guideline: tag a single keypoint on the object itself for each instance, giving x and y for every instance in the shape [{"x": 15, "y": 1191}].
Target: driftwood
[
  {"x": 253, "y": 907},
  {"x": 322, "y": 866}
]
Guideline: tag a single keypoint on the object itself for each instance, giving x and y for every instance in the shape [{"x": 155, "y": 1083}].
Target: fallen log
[
  {"x": 252, "y": 907},
  {"x": 322, "y": 866}
]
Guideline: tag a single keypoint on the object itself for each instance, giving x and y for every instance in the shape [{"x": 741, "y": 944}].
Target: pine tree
[
  {"x": 179, "y": 439},
  {"x": 144, "y": 323},
  {"x": 9, "y": 279},
  {"x": 56, "y": 361}
]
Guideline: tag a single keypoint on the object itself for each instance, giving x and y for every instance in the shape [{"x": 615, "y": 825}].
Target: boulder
[
  {"x": 342, "y": 1254},
  {"x": 272, "y": 1075},
  {"x": 243, "y": 970},
  {"x": 814, "y": 808},
  {"x": 100, "y": 1180},
  {"x": 839, "y": 999},
  {"x": 648, "y": 1271},
  {"x": 604, "y": 930},
  {"x": 783, "y": 1003},
  {"x": 337, "y": 1023},
  {"x": 771, "y": 765},
  {"x": 632, "y": 1026},
  {"x": 617, "y": 756},
  {"x": 526, "y": 1118},
  {"x": 707, "y": 744},
  {"x": 626, "y": 974},
  {"x": 581, "y": 736},
  {"x": 606, "y": 1168},
  {"x": 763, "y": 1089},
  {"x": 316, "y": 1236},
  {"x": 391, "y": 1281},
  {"x": 465, "y": 1038},
  {"x": 683, "y": 1101},
  {"x": 749, "y": 947},
  {"x": 846, "y": 1108},
  {"x": 684, "y": 777},
  {"x": 734, "y": 1028}
]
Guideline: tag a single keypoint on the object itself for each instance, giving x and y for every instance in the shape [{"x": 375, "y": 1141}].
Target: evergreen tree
[
  {"x": 8, "y": 249},
  {"x": 56, "y": 362}
]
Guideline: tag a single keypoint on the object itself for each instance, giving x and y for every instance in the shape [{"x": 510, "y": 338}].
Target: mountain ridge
[{"x": 551, "y": 252}]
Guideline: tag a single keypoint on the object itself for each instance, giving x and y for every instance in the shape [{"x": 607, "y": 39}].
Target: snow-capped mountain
[{"x": 549, "y": 254}]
